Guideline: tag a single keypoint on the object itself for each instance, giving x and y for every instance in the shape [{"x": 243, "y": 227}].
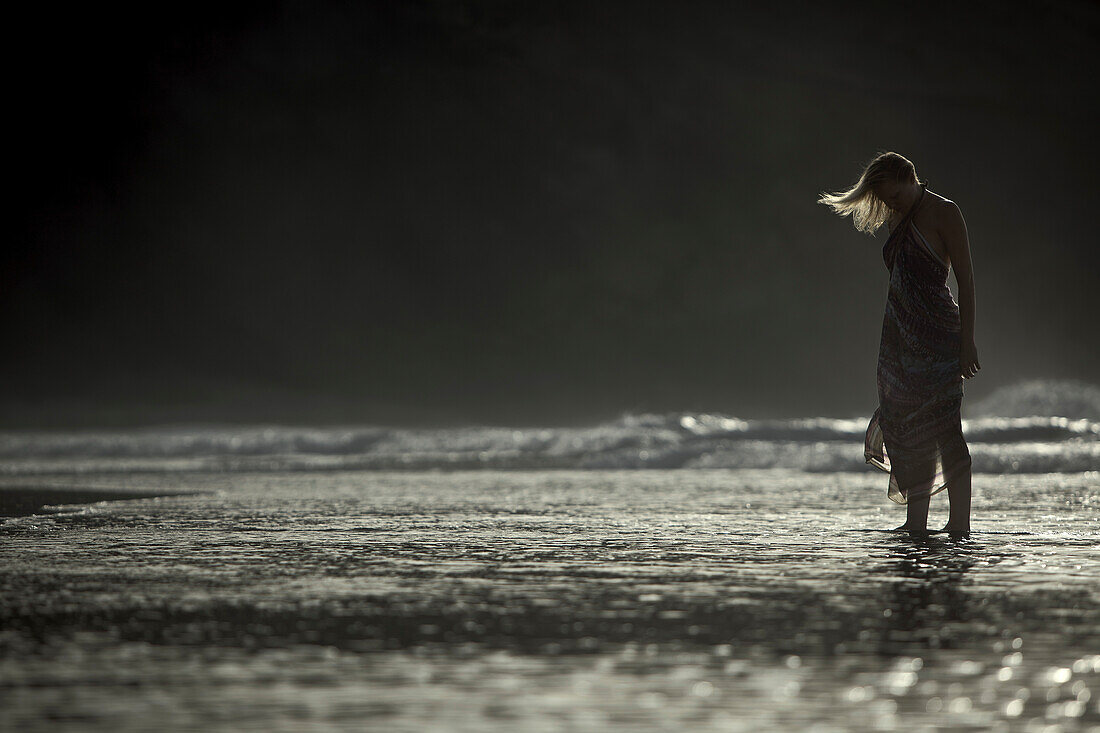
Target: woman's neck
[{"x": 912, "y": 194}]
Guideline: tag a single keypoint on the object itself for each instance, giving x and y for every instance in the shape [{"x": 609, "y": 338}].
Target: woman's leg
[
  {"x": 916, "y": 515},
  {"x": 956, "y": 454},
  {"x": 917, "y": 479}
]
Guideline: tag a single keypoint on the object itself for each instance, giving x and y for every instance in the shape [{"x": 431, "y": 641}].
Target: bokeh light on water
[{"x": 550, "y": 600}]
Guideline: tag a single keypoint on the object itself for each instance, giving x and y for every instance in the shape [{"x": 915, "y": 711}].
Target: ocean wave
[
  {"x": 688, "y": 433},
  {"x": 999, "y": 444},
  {"x": 818, "y": 457},
  {"x": 1067, "y": 398},
  {"x": 1017, "y": 445}
]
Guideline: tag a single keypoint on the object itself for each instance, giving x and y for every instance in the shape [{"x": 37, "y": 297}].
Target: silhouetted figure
[{"x": 927, "y": 345}]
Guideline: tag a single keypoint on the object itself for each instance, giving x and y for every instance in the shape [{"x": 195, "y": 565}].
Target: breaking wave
[{"x": 998, "y": 444}]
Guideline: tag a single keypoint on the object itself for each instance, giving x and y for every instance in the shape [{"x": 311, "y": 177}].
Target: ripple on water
[{"x": 551, "y": 600}]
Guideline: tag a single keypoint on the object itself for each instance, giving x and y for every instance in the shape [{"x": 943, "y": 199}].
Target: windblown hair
[{"x": 868, "y": 211}]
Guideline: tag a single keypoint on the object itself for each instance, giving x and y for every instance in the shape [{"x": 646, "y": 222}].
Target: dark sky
[{"x": 524, "y": 212}]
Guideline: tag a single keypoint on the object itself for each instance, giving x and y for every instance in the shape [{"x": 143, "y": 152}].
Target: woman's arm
[{"x": 953, "y": 229}]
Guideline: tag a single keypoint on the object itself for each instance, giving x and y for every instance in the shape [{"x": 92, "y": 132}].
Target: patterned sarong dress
[{"x": 916, "y": 432}]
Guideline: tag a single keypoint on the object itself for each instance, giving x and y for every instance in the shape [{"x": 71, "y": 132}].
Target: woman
[{"x": 927, "y": 345}]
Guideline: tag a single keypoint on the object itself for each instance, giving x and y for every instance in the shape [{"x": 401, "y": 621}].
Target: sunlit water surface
[{"x": 550, "y": 600}]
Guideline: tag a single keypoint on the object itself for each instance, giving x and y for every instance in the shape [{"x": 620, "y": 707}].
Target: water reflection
[
  {"x": 929, "y": 600},
  {"x": 509, "y": 600}
]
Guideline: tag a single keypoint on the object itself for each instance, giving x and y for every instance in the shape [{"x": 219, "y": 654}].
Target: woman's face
[{"x": 891, "y": 193}]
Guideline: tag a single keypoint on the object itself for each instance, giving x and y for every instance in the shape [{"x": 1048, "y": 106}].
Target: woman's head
[{"x": 880, "y": 189}]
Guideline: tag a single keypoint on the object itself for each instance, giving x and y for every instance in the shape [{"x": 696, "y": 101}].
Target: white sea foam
[{"x": 999, "y": 444}]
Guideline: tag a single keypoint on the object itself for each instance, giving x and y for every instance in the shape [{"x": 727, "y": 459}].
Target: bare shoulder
[{"x": 945, "y": 211}]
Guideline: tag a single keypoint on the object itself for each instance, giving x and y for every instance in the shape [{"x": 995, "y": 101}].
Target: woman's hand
[{"x": 968, "y": 360}]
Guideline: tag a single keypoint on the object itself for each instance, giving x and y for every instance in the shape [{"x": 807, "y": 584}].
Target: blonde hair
[{"x": 868, "y": 211}]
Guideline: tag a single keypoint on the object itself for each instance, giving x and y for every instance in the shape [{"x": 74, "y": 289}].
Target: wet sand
[
  {"x": 16, "y": 501},
  {"x": 596, "y": 600}
]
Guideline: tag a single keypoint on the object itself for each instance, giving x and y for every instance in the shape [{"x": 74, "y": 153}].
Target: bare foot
[
  {"x": 956, "y": 529},
  {"x": 911, "y": 528}
]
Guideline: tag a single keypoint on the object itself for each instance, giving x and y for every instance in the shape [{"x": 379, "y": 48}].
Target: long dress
[{"x": 916, "y": 432}]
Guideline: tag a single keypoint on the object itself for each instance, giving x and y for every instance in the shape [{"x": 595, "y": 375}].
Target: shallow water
[{"x": 550, "y": 600}]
